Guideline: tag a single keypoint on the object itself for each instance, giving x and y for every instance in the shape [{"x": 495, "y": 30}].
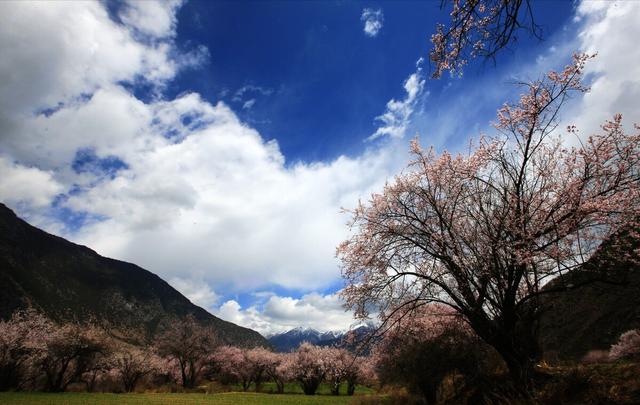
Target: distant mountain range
[
  {"x": 72, "y": 282},
  {"x": 290, "y": 340}
]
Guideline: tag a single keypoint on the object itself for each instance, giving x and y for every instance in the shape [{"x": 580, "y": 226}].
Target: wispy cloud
[
  {"x": 396, "y": 118},
  {"x": 251, "y": 89},
  {"x": 373, "y": 21},
  {"x": 248, "y": 104}
]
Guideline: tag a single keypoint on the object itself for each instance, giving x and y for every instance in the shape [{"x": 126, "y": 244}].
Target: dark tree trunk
[
  {"x": 335, "y": 388},
  {"x": 351, "y": 387},
  {"x": 310, "y": 386},
  {"x": 515, "y": 337},
  {"x": 430, "y": 393}
]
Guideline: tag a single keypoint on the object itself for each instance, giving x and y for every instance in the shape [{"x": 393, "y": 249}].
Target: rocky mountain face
[
  {"x": 593, "y": 306},
  {"x": 72, "y": 282}
]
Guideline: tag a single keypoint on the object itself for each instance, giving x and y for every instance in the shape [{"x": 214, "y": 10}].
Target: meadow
[
  {"x": 228, "y": 398},
  {"x": 214, "y": 396}
]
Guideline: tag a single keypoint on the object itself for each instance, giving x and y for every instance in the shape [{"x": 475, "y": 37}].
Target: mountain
[
  {"x": 290, "y": 340},
  {"x": 72, "y": 282},
  {"x": 602, "y": 301}
]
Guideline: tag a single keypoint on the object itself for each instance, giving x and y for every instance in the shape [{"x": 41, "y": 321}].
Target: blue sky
[
  {"x": 214, "y": 143},
  {"x": 305, "y": 61}
]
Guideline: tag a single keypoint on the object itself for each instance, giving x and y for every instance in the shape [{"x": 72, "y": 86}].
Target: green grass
[
  {"x": 294, "y": 388},
  {"x": 229, "y": 398}
]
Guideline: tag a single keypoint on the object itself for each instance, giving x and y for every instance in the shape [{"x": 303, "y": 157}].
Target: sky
[{"x": 216, "y": 143}]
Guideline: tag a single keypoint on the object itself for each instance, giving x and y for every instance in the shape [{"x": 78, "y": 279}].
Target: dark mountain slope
[
  {"x": 601, "y": 302},
  {"x": 72, "y": 282}
]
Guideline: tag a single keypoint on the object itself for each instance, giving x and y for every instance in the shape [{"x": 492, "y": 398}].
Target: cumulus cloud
[
  {"x": 279, "y": 314},
  {"x": 609, "y": 29},
  {"x": 55, "y": 53},
  {"x": 155, "y": 18},
  {"x": 26, "y": 186},
  {"x": 373, "y": 20},
  {"x": 197, "y": 291}
]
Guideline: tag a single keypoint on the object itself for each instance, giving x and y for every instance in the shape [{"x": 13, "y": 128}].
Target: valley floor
[{"x": 229, "y": 398}]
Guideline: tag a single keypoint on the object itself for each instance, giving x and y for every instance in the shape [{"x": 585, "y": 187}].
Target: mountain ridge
[
  {"x": 290, "y": 340},
  {"x": 71, "y": 282}
]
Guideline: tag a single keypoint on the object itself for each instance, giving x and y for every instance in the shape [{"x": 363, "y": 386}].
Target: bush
[{"x": 627, "y": 347}]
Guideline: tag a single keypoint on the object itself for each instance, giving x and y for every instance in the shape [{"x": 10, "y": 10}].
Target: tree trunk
[
  {"x": 515, "y": 338},
  {"x": 335, "y": 388},
  {"x": 520, "y": 353},
  {"x": 351, "y": 387},
  {"x": 310, "y": 386}
]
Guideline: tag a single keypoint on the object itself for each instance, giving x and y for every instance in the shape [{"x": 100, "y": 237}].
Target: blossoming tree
[
  {"x": 189, "y": 344},
  {"x": 479, "y": 28},
  {"x": 483, "y": 231}
]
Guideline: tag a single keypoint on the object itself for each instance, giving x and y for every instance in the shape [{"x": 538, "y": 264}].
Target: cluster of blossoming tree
[{"x": 39, "y": 354}]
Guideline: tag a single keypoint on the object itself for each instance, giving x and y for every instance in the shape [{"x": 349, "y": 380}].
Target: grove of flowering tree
[
  {"x": 37, "y": 353},
  {"x": 482, "y": 232}
]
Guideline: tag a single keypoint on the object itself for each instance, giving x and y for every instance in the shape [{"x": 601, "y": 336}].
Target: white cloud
[
  {"x": 279, "y": 314},
  {"x": 30, "y": 186},
  {"x": 395, "y": 120},
  {"x": 197, "y": 291},
  {"x": 373, "y": 20},
  {"x": 55, "y": 52},
  {"x": 611, "y": 29},
  {"x": 221, "y": 205},
  {"x": 156, "y": 18},
  {"x": 248, "y": 104}
]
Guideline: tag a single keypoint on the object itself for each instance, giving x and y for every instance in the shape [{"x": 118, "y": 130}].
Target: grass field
[
  {"x": 229, "y": 398},
  {"x": 293, "y": 396},
  {"x": 293, "y": 388}
]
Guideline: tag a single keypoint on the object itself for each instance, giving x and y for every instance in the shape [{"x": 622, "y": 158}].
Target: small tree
[
  {"x": 483, "y": 232},
  {"x": 132, "y": 364},
  {"x": 360, "y": 370},
  {"x": 337, "y": 361},
  {"x": 309, "y": 367},
  {"x": 234, "y": 365},
  {"x": 627, "y": 347},
  {"x": 189, "y": 344},
  {"x": 66, "y": 353},
  {"x": 17, "y": 336},
  {"x": 279, "y": 369},
  {"x": 258, "y": 360}
]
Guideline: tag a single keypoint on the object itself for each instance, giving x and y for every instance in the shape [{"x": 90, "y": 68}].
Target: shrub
[{"x": 627, "y": 347}]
